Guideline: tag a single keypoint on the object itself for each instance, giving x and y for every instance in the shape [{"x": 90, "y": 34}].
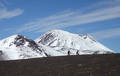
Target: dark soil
[{"x": 82, "y": 65}]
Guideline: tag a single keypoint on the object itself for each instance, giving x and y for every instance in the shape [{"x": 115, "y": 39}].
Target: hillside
[{"x": 82, "y": 65}]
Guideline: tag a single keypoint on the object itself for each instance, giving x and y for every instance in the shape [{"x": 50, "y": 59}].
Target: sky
[{"x": 32, "y": 18}]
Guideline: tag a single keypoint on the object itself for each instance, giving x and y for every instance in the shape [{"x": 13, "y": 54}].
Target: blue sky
[{"x": 32, "y": 18}]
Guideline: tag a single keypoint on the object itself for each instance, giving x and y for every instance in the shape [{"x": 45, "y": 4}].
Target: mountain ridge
[
  {"x": 19, "y": 47},
  {"x": 59, "y": 39},
  {"x": 52, "y": 43}
]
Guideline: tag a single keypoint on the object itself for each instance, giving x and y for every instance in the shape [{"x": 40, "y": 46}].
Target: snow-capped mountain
[
  {"x": 63, "y": 42},
  {"x": 19, "y": 47},
  {"x": 52, "y": 43}
]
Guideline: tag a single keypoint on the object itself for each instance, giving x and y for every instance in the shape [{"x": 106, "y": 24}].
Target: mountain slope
[
  {"x": 63, "y": 42},
  {"x": 19, "y": 47},
  {"x": 53, "y": 43}
]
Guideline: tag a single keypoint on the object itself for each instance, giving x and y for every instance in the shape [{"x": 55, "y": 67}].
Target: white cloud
[
  {"x": 106, "y": 33},
  {"x": 71, "y": 18},
  {"x": 5, "y": 14}
]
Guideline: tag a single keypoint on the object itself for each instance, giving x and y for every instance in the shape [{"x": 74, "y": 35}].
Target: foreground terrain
[{"x": 83, "y": 65}]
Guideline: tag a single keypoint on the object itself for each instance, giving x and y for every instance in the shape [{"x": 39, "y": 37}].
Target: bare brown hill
[{"x": 82, "y": 65}]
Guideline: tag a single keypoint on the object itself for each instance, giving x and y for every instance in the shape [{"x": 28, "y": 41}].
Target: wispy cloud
[
  {"x": 71, "y": 18},
  {"x": 106, "y": 33},
  {"x": 5, "y": 14}
]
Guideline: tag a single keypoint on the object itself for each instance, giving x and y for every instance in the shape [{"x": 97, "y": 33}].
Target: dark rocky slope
[{"x": 83, "y": 65}]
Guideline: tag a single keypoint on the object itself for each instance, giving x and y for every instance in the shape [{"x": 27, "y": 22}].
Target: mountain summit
[
  {"x": 19, "y": 47},
  {"x": 52, "y": 43},
  {"x": 64, "y": 41}
]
